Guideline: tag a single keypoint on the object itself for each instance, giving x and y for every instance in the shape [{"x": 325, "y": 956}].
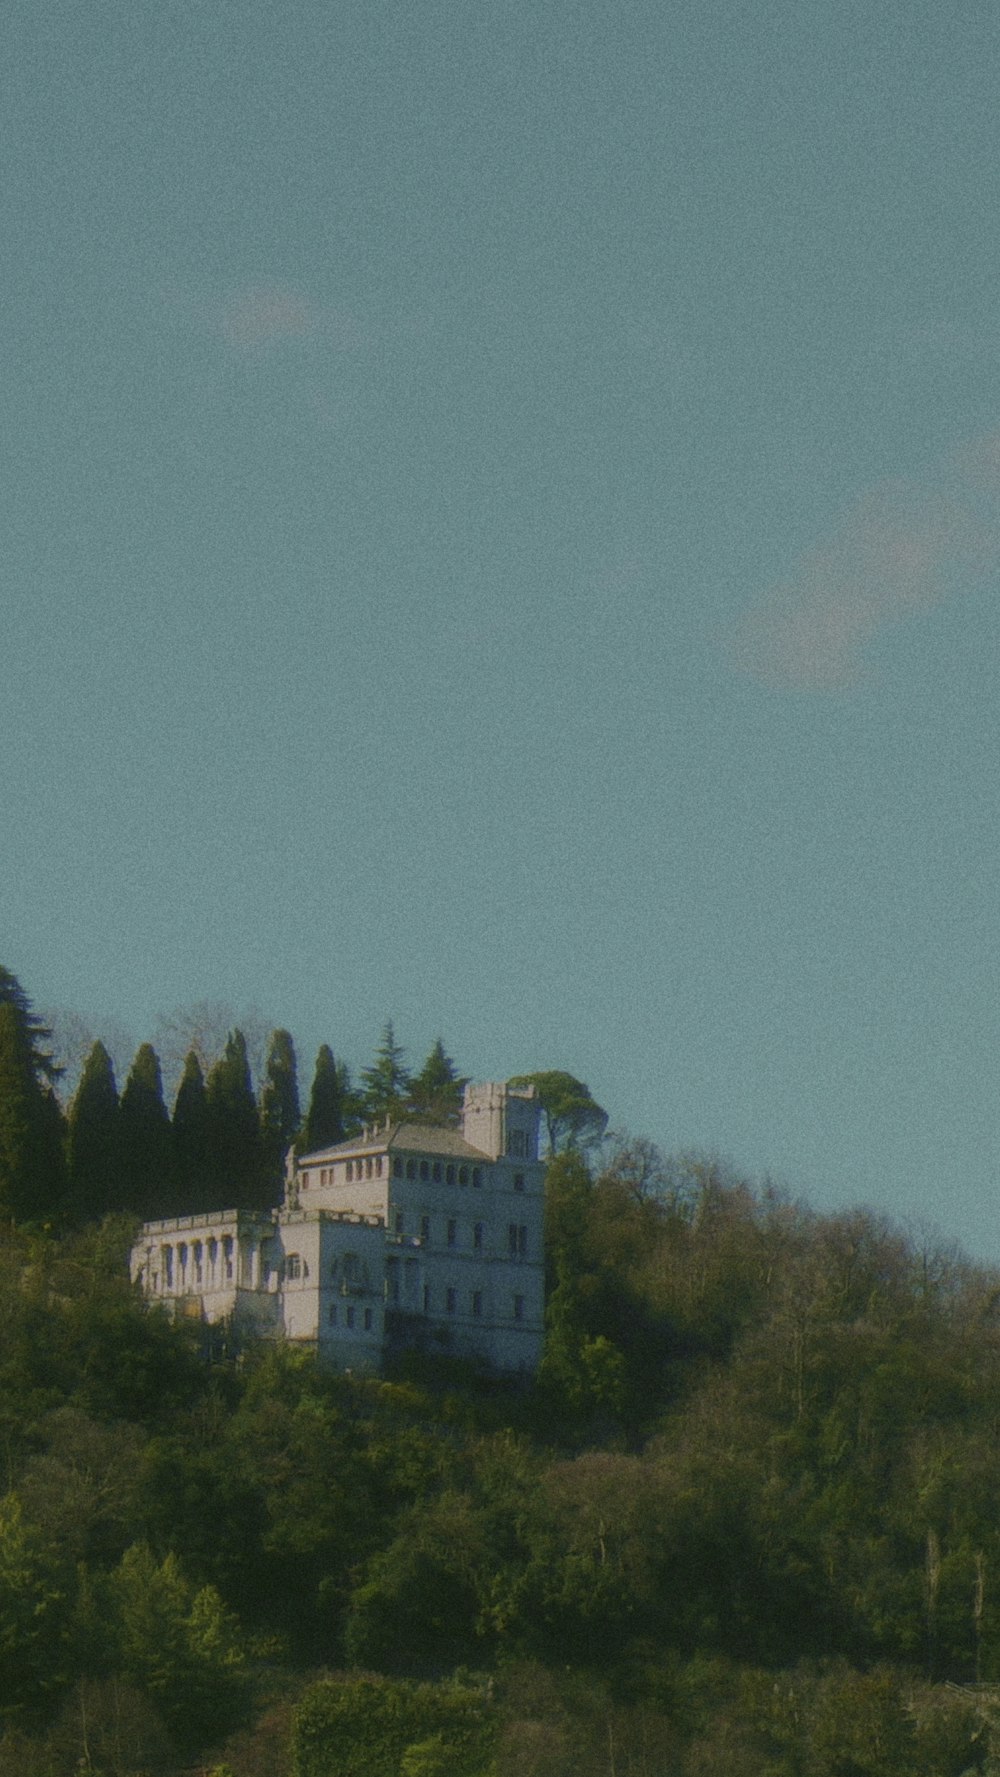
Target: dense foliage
[{"x": 745, "y": 1520}]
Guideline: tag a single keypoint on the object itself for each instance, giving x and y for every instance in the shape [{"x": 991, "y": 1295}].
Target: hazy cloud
[
  {"x": 265, "y": 315},
  {"x": 260, "y": 317},
  {"x": 903, "y": 546}
]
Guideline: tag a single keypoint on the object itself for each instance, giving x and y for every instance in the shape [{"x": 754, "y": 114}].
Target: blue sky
[{"x": 502, "y": 525}]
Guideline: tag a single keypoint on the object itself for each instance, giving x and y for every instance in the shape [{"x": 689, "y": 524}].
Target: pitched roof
[{"x": 407, "y": 1138}]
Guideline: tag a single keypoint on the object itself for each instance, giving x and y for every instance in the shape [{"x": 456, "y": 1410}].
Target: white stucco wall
[{"x": 429, "y": 1230}]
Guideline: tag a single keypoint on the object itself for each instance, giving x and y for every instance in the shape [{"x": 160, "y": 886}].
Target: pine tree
[
  {"x": 436, "y": 1092},
  {"x": 34, "y": 1034},
  {"x": 572, "y": 1118},
  {"x": 235, "y": 1155},
  {"x": 279, "y": 1107},
  {"x": 94, "y": 1146},
  {"x": 387, "y": 1082},
  {"x": 146, "y": 1143},
  {"x": 325, "y": 1121},
  {"x": 194, "y": 1185}
]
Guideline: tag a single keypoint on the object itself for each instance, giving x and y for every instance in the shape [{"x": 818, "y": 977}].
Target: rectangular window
[
  {"x": 477, "y": 1237},
  {"x": 293, "y": 1266},
  {"x": 427, "y": 1298},
  {"x": 425, "y": 1227},
  {"x": 450, "y": 1301},
  {"x": 518, "y": 1307},
  {"x": 512, "y": 1240},
  {"x": 522, "y": 1241},
  {"x": 519, "y": 1181},
  {"x": 452, "y": 1233},
  {"x": 399, "y": 1221},
  {"x": 368, "y": 1320},
  {"x": 477, "y": 1303},
  {"x": 350, "y": 1316}
]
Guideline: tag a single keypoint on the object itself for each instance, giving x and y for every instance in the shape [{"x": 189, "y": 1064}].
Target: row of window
[
  {"x": 436, "y": 1172},
  {"x": 350, "y": 1316},
  {"x": 517, "y": 1234},
  {"x": 428, "y": 1171},
  {"x": 340, "y": 1315},
  {"x": 475, "y": 1303}
]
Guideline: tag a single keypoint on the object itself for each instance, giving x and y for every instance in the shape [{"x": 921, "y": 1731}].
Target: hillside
[{"x": 744, "y": 1520}]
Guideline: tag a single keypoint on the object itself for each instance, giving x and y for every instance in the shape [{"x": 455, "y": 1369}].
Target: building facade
[{"x": 409, "y": 1236}]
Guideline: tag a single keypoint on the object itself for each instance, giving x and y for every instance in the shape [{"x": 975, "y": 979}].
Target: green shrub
[{"x": 368, "y": 1727}]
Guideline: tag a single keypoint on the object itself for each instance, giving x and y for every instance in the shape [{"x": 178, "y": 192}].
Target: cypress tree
[
  {"x": 32, "y": 1171},
  {"x": 234, "y": 1156},
  {"x": 325, "y": 1119},
  {"x": 279, "y": 1107},
  {"x": 193, "y": 1184},
  {"x": 94, "y": 1146},
  {"x": 146, "y": 1144}
]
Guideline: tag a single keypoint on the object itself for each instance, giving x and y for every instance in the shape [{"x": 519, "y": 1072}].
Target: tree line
[{"x": 221, "y": 1145}]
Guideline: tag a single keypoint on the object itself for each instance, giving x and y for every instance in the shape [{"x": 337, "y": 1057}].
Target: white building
[{"x": 411, "y": 1235}]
